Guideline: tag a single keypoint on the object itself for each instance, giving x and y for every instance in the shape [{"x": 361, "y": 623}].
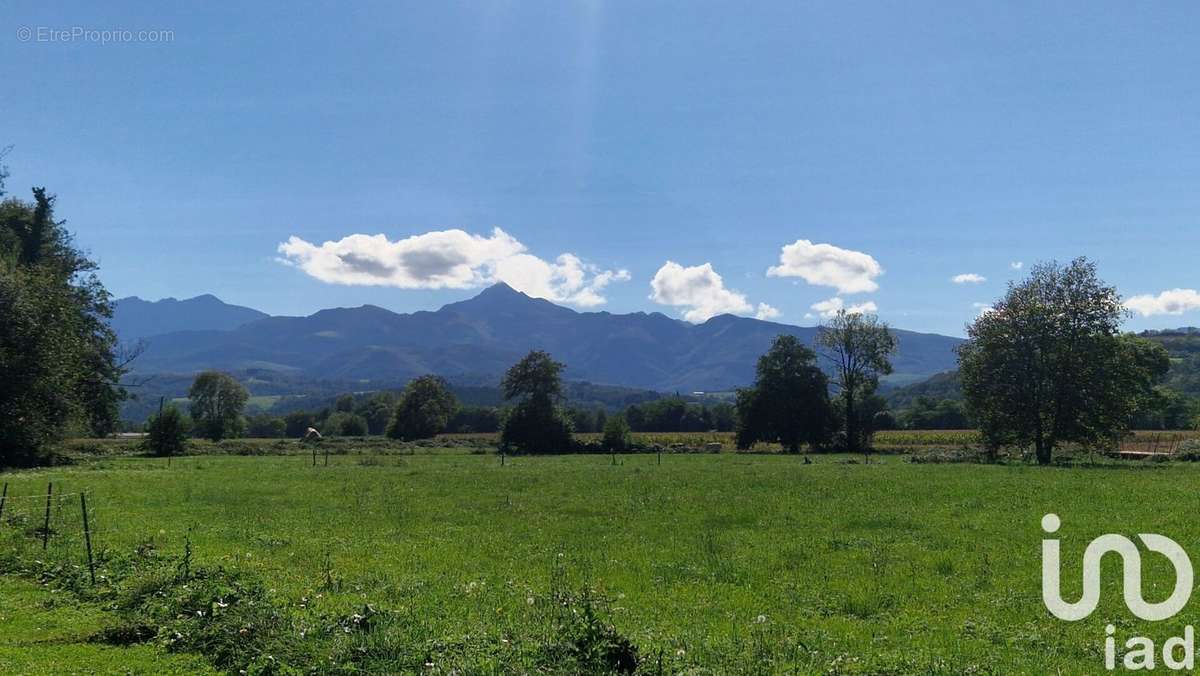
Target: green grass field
[{"x": 447, "y": 561}]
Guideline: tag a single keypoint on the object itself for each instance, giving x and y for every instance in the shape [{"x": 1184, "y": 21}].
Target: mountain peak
[
  {"x": 500, "y": 290},
  {"x": 500, "y": 298}
]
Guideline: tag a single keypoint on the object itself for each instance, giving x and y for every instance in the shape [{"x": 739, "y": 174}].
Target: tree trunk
[
  {"x": 851, "y": 423},
  {"x": 1043, "y": 447}
]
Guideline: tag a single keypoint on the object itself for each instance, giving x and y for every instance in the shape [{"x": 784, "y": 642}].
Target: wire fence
[{"x": 59, "y": 520}]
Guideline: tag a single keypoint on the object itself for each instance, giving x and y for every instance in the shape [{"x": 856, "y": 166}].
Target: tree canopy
[
  {"x": 860, "y": 347},
  {"x": 536, "y": 376},
  {"x": 59, "y": 363},
  {"x": 425, "y": 409},
  {"x": 789, "y": 402},
  {"x": 217, "y": 400},
  {"x": 1048, "y": 365},
  {"x": 536, "y": 424}
]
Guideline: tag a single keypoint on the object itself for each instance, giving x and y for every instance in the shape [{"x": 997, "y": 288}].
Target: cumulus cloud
[
  {"x": 1169, "y": 302},
  {"x": 827, "y": 265},
  {"x": 1016, "y": 265},
  {"x": 968, "y": 278},
  {"x": 702, "y": 292},
  {"x": 450, "y": 259},
  {"x": 827, "y": 309},
  {"x": 765, "y": 311}
]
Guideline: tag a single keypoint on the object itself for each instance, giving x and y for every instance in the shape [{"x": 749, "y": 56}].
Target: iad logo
[
  {"x": 1131, "y": 560},
  {"x": 1178, "y": 652}
]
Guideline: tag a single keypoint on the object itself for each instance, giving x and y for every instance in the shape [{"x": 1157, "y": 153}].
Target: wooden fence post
[
  {"x": 87, "y": 535},
  {"x": 46, "y": 525},
  {"x": 3, "y": 499}
]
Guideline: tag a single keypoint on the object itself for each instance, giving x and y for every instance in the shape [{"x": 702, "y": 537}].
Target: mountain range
[
  {"x": 476, "y": 340},
  {"x": 134, "y": 319}
]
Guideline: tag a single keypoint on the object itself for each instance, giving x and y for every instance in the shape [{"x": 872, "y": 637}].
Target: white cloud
[
  {"x": 827, "y": 265},
  {"x": 765, "y": 311},
  {"x": 1016, "y": 265},
  {"x": 968, "y": 278},
  {"x": 702, "y": 291},
  {"x": 450, "y": 259},
  {"x": 827, "y": 309},
  {"x": 1170, "y": 302},
  {"x": 983, "y": 308}
]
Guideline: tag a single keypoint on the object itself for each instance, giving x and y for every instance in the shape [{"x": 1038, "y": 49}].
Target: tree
[
  {"x": 860, "y": 348},
  {"x": 167, "y": 433},
  {"x": 582, "y": 420},
  {"x": 616, "y": 434},
  {"x": 217, "y": 403},
  {"x": 1166, "y": 409},
  {"x": 58, "y": 356},
  {"x": 536, "y": 376},
  {"x": 378, "y": 411},
  {"x": 425, "y": 409},
  {"x": 536, "y": 424},
  {"x": 927, "y": 414},
  {"x": 1047, "y": 364},
  {"x": 296, "y": 423},
  {"x": 724, "y": 417},
  {"x": 789, "y": 402},
  {"x": 484, "y": 419},
  {"x": 344, "y": 424},
  {"x": 265, "y": 426}
]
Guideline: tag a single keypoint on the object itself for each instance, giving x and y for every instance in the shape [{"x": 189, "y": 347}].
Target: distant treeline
[{"x": 365, "y": 415}]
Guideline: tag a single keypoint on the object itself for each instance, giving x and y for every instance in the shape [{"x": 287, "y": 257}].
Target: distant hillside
[
  {"x": 1183, "y": 344},
  {"x": 941, "y": 386},
  {"x": 134, "y": 318},
  {"x": 477, "y": 339}
]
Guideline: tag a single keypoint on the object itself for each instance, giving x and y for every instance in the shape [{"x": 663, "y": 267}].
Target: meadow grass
[{"x": 718, "y": 563}]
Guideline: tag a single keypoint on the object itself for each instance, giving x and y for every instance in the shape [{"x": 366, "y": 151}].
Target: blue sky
[{"x": 935, "y": 139}]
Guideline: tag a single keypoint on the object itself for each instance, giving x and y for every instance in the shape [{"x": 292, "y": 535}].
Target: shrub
[
  {"x": 1189, "y": 450},
  {"x": 616, "y": 434},
  {"x": 167, "y": 433},
  {"x": 265, "y": 426}
]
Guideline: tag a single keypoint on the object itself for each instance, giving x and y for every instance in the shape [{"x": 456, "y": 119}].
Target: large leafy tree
[
  {"x": 217, "y": 400},
  {"x": 537, "y": 423},
  {"x": 425, "y": 409},
  {"x": 859, "y": 346},
  {"x": 1047, "y": 364},
  {"x": 59, "y": 363},
  {"x": 789, "y": 402},
  {"x": 536, "y": 376}
]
